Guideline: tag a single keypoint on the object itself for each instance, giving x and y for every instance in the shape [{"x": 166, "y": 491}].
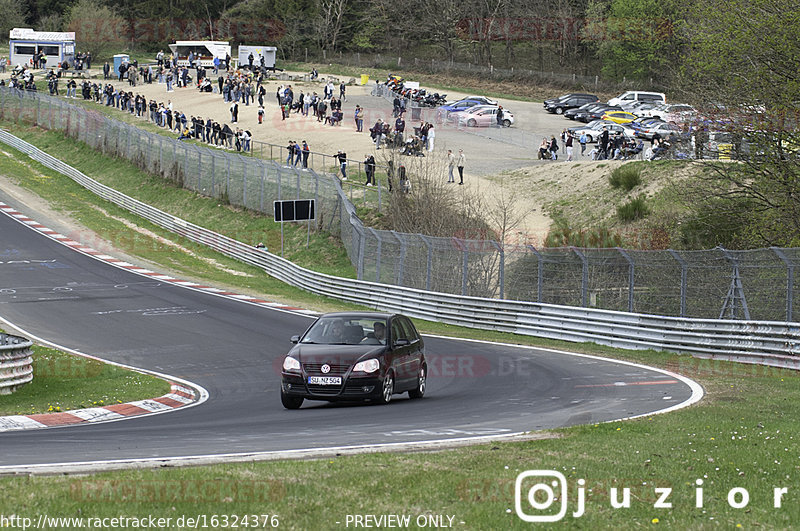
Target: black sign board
[{"x": 294, "y": 210}]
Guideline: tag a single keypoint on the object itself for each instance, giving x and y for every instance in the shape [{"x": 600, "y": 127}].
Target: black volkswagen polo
[{"x": 354, "y": 356}]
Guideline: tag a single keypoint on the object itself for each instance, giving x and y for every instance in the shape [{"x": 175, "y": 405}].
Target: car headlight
[
  {"x": 367, "y": 366},
  {"x": 291, "y": 364}
]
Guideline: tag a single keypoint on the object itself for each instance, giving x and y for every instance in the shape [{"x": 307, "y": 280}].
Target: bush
[
  {"x": 626, "y": 177},
  {"x": 633, "y": 209}
]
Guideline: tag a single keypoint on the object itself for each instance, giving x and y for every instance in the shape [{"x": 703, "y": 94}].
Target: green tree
[
  {"x": 744, "y": 57},
  {"x": 13, "y": 17},
  {"x": 97, "y": 28},
  {"x": 634, "y": 39}
]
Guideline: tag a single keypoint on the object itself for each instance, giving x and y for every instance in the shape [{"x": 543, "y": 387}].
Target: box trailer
[
  {"x": 57, "y": 46},
  {"x": 267, "y": 52},
  {"x": 202, "y": 52}
]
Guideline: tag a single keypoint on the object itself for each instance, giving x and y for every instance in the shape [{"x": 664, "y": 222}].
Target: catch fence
[{"x": 754, "y": 284}]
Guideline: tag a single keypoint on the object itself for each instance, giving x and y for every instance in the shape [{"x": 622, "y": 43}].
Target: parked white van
[{"x": 637, "y": 95}]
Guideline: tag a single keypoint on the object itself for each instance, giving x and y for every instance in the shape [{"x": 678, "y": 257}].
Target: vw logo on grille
[{"x": 325, "y": 369}]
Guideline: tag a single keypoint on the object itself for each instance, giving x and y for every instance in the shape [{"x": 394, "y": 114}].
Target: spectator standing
[
  {"x": 583, "y": 139},
  {"x": 451, "y": 165},
  {"x": 400, "y": 126},
  {"x": 431, "y": 137},
  {"x": 358, "y": 116},
  {"x": 342, "y": 88},
  {"x": 234, "y": 112},
  {"x": 377, "y": 133},
  {"x": 603, "y": 144},
  {"x": 290, "y": 156},
  {"x": 462, "y": 160},
  {"x": 499, "y": 116},
  {"x": 342, "y": 158},
  {"x": 106, "y": 70},
  {"x": 306, "y": 152},
  {"x": 405, "y": 184},
  {"x": 553, "y": 148},
  {"x": 369, "y": 169},
  {"x": 261, "y": 114},
  {"x": 568, "y": 144}
]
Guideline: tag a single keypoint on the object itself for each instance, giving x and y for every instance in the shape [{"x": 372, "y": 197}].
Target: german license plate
[{"x": 325, "y": 380}]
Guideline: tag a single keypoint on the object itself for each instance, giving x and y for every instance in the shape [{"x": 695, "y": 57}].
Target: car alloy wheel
[
  {"x": 471, "y": 122},
  {"x": 506, "y": 123},
  {"x": 388, "y": 389},
  {"x": 419, "y": 392},
  {"x": 559, "y": 110}
]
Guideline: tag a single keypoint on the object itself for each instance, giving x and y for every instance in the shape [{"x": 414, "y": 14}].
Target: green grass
[
  {"x": 634, "y": 209},
  {"x": 63, "y": 382},
  {"x": 626, "y": 177},
  {"x": 741, "y": 435}
]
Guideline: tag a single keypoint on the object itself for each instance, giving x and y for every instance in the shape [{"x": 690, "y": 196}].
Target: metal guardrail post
[
  {"x": 631, "y": 271},
  {"x": 789, "y": 280}
]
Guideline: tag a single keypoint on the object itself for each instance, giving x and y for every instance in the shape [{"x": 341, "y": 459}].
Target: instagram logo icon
[{"x": 537, "y": 491}]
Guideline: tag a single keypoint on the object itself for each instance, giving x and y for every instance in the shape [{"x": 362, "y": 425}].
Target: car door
[
  {"x": 398, "y": 352},
  {"x": 401, "y": 349},
  {"x": 416, "y": 352}
]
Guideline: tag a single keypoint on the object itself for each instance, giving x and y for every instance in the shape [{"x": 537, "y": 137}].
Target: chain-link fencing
[{"x": 754, "y": 284}]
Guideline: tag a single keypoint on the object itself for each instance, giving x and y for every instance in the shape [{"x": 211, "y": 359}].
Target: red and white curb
[
  {"x": 179, "y": 396},
  {"x": 65, "y": 240}
]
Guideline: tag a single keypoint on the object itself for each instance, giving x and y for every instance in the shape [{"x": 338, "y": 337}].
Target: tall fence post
[
  {"x": 631, "y": 271},
  {"x": 789, "y": 280},
  {"x": 684, "y": 274},
  {"x": 429, "y": 264},
  {"x": 400, "y": 262},
  {"x": 584, "y": 276},
  {"x": 361, "y": 245},
  {"x": 502, "y": 267},
  {"x": 378, "y": 257}
]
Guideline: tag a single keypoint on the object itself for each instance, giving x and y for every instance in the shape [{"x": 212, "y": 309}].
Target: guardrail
[
  {"x": 760, "y": 342},
  {"x": 16, "y": 363}
]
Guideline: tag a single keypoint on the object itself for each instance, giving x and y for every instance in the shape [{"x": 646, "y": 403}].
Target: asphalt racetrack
[{"x": 234, "y": 349}]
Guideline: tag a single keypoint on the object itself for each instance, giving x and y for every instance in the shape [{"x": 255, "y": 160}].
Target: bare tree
[{"x": 329, "y": 22}]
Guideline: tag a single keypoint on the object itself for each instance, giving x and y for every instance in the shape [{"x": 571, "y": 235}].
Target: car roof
[{"x": 368, "y": 315}]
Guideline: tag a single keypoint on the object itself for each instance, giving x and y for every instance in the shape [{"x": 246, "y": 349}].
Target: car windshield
[{"x": 347, "y": 330}]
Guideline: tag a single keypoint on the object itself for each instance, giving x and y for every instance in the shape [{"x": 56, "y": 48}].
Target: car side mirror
[{"x": 295, "y": 339}]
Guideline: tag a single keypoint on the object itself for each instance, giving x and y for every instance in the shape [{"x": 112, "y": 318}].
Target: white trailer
[
  {"x": 203, "y": 52},
  {"x": 58, "y": 47},
  {"x": 267, "y": 52}
]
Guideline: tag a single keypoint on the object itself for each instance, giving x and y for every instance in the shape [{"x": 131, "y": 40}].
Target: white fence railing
[
  {"x": 16, "y": 363},
  {"x": 760, "y": 342}
]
